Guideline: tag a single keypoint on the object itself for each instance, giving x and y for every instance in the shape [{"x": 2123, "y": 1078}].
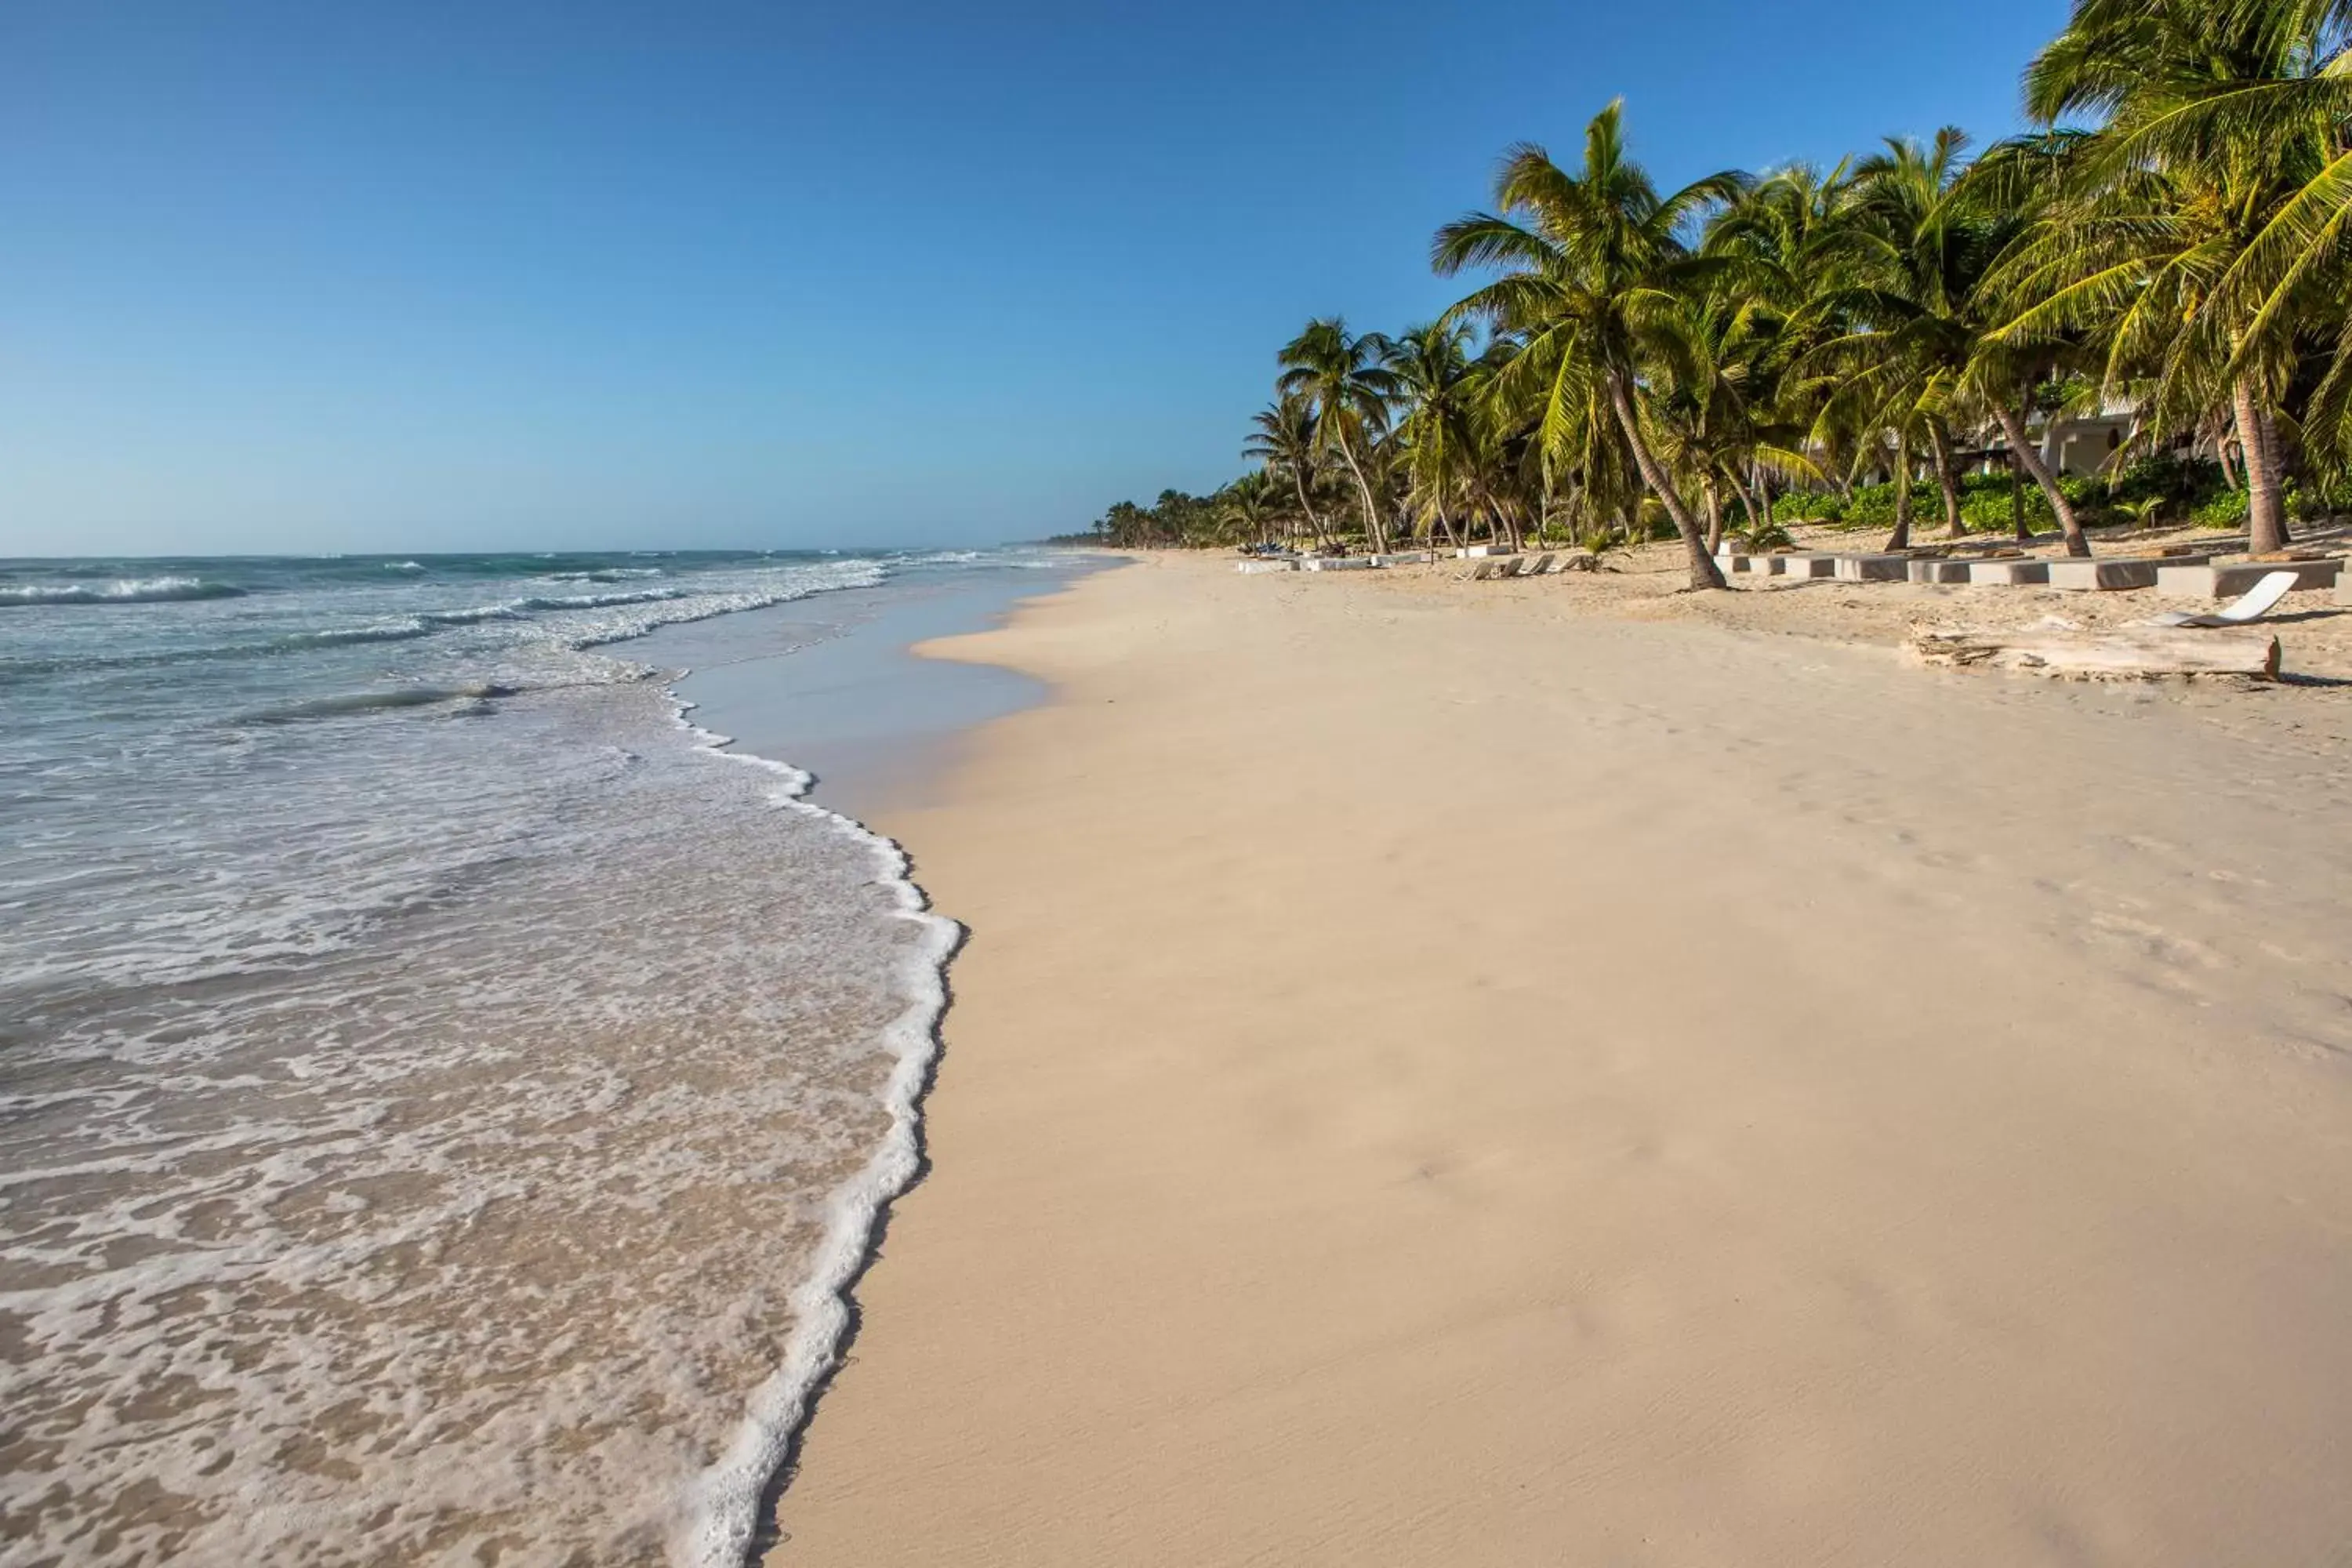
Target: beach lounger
[
  {"x": 1484, "y": 569},
  {"x": 2256, "y": 603},
  {"x": 1543, "y": 564}
]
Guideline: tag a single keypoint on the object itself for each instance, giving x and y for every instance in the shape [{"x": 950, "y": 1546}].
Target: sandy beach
[{"x": 1573, "y": 1074}]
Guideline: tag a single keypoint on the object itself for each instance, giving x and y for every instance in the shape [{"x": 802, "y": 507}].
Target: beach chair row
[{"x": 1510, "y": 566}]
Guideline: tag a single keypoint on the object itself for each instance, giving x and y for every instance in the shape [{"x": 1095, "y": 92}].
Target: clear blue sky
[{"x": 425, "y": 276}]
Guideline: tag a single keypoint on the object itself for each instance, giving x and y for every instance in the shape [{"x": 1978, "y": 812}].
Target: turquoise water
[{"x": 440, "y": 1094}]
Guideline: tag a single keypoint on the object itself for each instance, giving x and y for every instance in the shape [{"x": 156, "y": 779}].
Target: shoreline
[
  {"x": 531, "y": 1100},
  {"x": 724, "y": 1519},
  {"x": 1438, "y": 1079},
  {"x": 723, "y": 1516}
]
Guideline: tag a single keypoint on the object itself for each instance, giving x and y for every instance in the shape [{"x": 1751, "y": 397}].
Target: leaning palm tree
[
  {"x": 2205, "y": 229},
  {"x": 1594, "y": 266},
  {"x": 1286, "y": 444},
  {"x": 1351, "y": 391}
]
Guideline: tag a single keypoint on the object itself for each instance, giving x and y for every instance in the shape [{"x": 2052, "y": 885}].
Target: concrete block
[
  {"x": 1809, "y": 565},
  {"x": 1936, "y": 570},
  {"x": 1766, "y": 565},
  {"x": 2215, "y": 581},
  {"x": 2009, "y": 571},
  {"x": 1336, "y": 563},
  {"x": 1872, "y": 568},
  {"x": 2088, "y": 576}
]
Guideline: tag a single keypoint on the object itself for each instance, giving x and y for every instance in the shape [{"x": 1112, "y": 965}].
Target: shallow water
[{"x": 437, "y": 1092}]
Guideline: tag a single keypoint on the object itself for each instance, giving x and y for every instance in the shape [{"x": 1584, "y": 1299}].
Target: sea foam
[
  {"x": 721, "y": 1509},
  {"x": 428, "y": 1141}
]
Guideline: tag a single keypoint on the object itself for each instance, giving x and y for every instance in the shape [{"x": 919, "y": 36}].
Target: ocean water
[{"x": 442, "y": 1094}]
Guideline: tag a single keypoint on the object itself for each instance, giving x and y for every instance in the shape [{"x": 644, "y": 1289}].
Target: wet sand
[
  {"x": 1444, "y": 1078},
  {"x": 829, "y": 683}
]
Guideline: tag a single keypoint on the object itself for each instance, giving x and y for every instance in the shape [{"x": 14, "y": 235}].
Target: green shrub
[
  {"x": 2316, "y": 500},
  {"x": 2184, "y": 481},
  {"x": 1809, "y": 506},
  {"x": 2192, "y": 487},
  {"x": 2083, "y": 490},
  {"x": 2227, "y": 510},
  {"x": 1866, "y": 506}
]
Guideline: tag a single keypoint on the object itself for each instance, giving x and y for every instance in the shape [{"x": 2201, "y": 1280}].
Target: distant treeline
[{"x": 2170, "y": 253}]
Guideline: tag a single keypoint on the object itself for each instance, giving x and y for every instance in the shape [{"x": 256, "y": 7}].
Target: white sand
[{"x": 1458, "y": 1079}]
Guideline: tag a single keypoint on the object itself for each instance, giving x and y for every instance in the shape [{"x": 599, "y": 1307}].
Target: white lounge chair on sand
[
  {"x": 1543, "y": 564},
  {"x": 1480, "y": 572},
  {"x": 2252, "y": 605}
]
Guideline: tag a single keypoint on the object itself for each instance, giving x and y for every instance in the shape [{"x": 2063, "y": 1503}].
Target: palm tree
[
  {"x": 1594, "y": 265},
  {"x": 1905, "y": 292},
  {"x": 1506, "y": 475},
  {"x": 1286, "y": 444},
  {"x": 2201, "y": 233},
  {"x": 1249, "y": 507},
  {"x": 1788, "y": 237},
  {"x": 1435, "y": 377},
  {"x": 1350, "y": 391}
]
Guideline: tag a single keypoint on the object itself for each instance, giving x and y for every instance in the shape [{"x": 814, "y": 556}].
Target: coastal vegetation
[{"x": 2164, "y": 255}]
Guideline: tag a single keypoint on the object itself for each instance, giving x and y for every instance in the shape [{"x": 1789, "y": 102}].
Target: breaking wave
[{"x": 125, "y": 591}]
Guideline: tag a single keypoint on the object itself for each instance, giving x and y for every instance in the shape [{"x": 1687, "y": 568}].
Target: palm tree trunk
[
  {"x": 1494, "y": 508},
  {"x": 1714, "y": 516},
  {"x": 1445, "y": 521},
  {"x": 1945, "y": 480},
  {"x": 1704, "y": 573},
  {"x": 1747, "y": 505},
  {"x": 1298, "y": 478},
  {"x": 1901, "y": 537},
  {"x": 1373, "y": 534},
  {"x": 2012, "y": 425},
  {"x": 2266, "y": 503}
]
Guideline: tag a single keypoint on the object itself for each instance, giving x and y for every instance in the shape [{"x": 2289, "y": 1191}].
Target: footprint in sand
[{"x": 2155, "y": 942}]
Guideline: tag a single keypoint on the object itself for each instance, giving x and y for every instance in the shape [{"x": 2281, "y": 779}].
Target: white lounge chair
[
  {"x": 2252, "y": 605},
  {"x": 1543, "y": 564},
  {"x": 1480, "y": 572}
]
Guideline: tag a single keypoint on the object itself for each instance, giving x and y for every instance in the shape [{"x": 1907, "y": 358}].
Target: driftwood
[{"x": 2123, "y": 652}]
